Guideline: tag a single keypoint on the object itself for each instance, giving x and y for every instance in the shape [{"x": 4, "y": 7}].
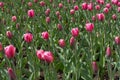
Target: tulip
[
  {"x": 106, "y": 10},
  {"x": 117, "y": 40},
  {"x": 72, "y": 11},
  {"x": 90, "y": 7},
  {"x": 89, "y": 27},
  {"x": 75, "y": 32},
  {"x": 72, "y": 41},
  {"x": 108, "y": 51},
  {"x": 114, "y": 17},
  {"x": 76, "y": 7},
  {"x": 14, "y": 18},
  {"x": 60, "y": 5},
  {"x": 31, "y": 13},
  {"x": 61, "y": 43},
  {"x": 97, "y": 7},
  {"x": 40, "y": 54},
  {"x": 11, "y": 74},
  {"x": 28, "y": 37},
  {"x": 94, "y": 66},
  {"x": 9, "y": 34},
  {"x": 10, "y": 51},
  {"x": 42, "y": 3},
  {"x": 29, "y": 4},
  {"x": 47, "y": 12},
  {"x": 48, "y": 56},
  {"x": 1, "y": 48},
  {"x": 59, "y": 26},
  {"x": 100, "y": 17},
  {"x": 118, "y": 9},
  {"x": 108, "y": 5},
  {"x": 114, "y": 2},
  {"x": 47, "y": 19},
  {"x": 1, "y": 4},
  {"x": 84, "y": 6},
  {"x": 45, "y": 35}
]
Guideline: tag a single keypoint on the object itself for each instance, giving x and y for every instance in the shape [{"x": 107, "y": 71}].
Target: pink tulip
[
  {"x": 61, "y": 43},
  {"x": 9, "y": 34},
  {"x": 48, "y": 56},
  {"x": 10, "y": 51},
  {"x": 84, "y": 6},
  {"x": 108, "y": 5},
  {"x": 57, "y": 13},
  {"x": 118, "y": 4},
  {"x": 75, "y": 32},
  {"x": 47, "y": 19},
  {"x": 89, "y": 27},
  {"x": 97, "y": 7},
  {"x": 106, "y": 10},
  {"x": 94, "y": 66},
  {"x": 72, "y": 41},
  {"x": 93, "y": 18},
  {"x": 40, "y": 54},
  {"x": 45, "y": 35},
  {"x": 114, "y": 17},
  {"x": 60, "y": 5},
  {"x": 11, "y": 74},
  {"x": 108, "y": 51},
  {"x": 42, "y": 3},
  {"x": 59, "y": 26},
  {"x": 29, "y": 4},
  {"x": 72, "y": 11},
  {"x": 117, "y": 40},
  {"x": 76, "y": 7},
  {"x": 100, "y": 17},
  {"x": 1, "y": 4},
  {"x": 1, "y": 48},
  {"x": 114, "y": 2},
  {"x": 100, "y": 1},
  {"x": 90, "y": 7},
  {"x": 31, "y": 13},
  {"x": 28, "y": 37},
  {"x": 118, "y": 9},
  {"x": 47, "y": 12},
  {"x": 35, "y": 1},
  {"x": 14, "y": 18}
]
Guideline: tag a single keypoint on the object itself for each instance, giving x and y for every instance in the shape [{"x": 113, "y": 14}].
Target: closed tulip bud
[
  {"x": 72, "y": 11},
  {"x": 108, "y": 5},
  {"x": 51, "y": 1},
  {"x": 118, "y": 4},
  {"x": 114, "y": 17},
  {"x": 47, "y": 19},
  {"x": 60, "y": 5},
  {"x": 14, "y": 18},
  {"x": 40, "y": 54},
  {"x": 9, "y": 34},
  {"x": 114, "y": 2},
  {"x": 61, "y": 43},
  {"x": 108, "y": 51},
  {"x": 93, "y": 18},
  {"x": 1, "y": 4},
  {"x": 28, "y": 37},
  {"x": 35, "y": 1},
  {"x": 10, "y": 51},
  {"x": 89, "y": 27},
  {"x": 42, "y": 3},
  {"x": 75, "y": 32},
  {"x": 97, "y": 7},
  {"x": 76, "y": 7},
  {"x": 59, "y": 17},
  {"x": 100, "y": 1},
  {"x": 29, "y": 4},
  {"x": 45, "y": 35},
  {"x": 84, "y": 6},
  {"x": 100, "y": 17},
  {"x": 57, "y": 13},
  {"x": 48, "y": 56},
  {"x": 31, "y": 13},
  {"x": 59, "y": 26},
  {"x": 118, "y": 9},
  {"x": 72, "y": 41},
  {"x": 117, "y": 40},
  {"x": 90, "y": 7},
  {"x": 11, "y": 74},
  {"x": 106, "y": 10},
  {"x": 1, "y": 48},
  {"x": 94, "y": 66},
  {"x": 47, "y": 12},
  {"x": 17, "y": 26}
]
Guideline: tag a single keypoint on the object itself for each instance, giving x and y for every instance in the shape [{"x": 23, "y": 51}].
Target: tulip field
[{"x": 59, "y": 39}]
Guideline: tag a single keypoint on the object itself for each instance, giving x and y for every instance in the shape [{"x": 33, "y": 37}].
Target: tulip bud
[
  {"x": 28, "y": 37},
  {"x": 31, "y": 13},
  {"x": 9, "y": 34},
  {"x": 84, "y": 6},
  {"x": 75, "y": 32},
  {"x": 94, "y": 66},
  {"x": 1, "y": 48},
  {"x": 100, "y": 17},
  {"x": 47, "y": 12},
  {"x": 108, "y": 52},
  {"x": 93, "y": 18},
  {"x": 106, "y": 10},
  {"x": 11, "y": 74},
  {"x": 40, "y": 54},
  {"x": 57, "y": 13},
  {"x": 108, "y": 5},
  {"x": 1, "y": 4},
  {"x": 42, "y": 3},
  {"x": 59, "y": 26},
  {"x": 14, "y": 18},
  {"x": 97, "y": 7},
  {"x": 45, "y": 35},
  {"x": 76, "y": 7},
  {"x": 90, "y": 7},
  {"x": 72, "y": 41},
  {"x": 72, "y": 11},
  {"x": 60, "y": 5},
  {"x": 117, "y": 40},
  {"x": 114, "y": 17},
  {"x": 29, "y": 4},
  {"x": 48, "y": 56},
  {"x": 114, "y": 2},
  {"x": 47, "y": 19},
  {"x": 89, "y": 27},
  {"x": 118, "y": 9},
  {"x": 10, "y": 51},
  {"x": 62, "y": 43}
]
